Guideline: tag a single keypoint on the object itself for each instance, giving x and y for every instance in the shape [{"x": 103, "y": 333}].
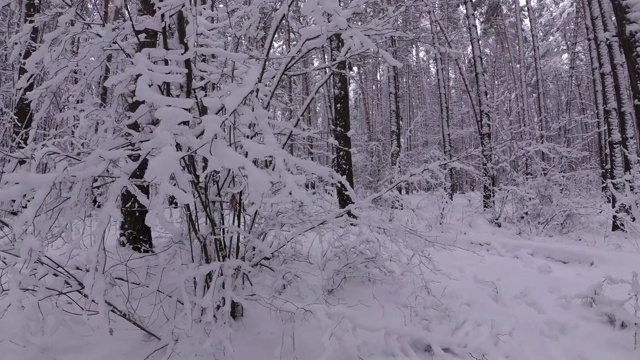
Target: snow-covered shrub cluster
[
  {"x": 558, "y": 204},
  {"x": 173, "y": 123},
  {"x": 616, "y": 300}
]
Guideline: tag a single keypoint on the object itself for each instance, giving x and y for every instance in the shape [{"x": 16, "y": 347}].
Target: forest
[{"x": 319, "y": 179}]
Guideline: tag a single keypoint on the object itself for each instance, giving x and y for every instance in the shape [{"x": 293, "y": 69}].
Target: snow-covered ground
[{"x": 487, "y": 293}]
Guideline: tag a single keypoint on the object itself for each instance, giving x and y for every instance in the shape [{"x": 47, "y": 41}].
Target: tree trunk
[
  {"x": 625, "y": 111},
  {"x": 106, "y": 72},
  {"x": 395, "y": 116},
  {"x": 311, "y": 113},
  {"x": 365, "y": 86},
  {"x": 596, "y": 78},
  {"x": 23, "y": 112},
  {"x": 522, "y": 89},
  {"x": 540, "y": 105},
  {"x": 133, "y": 229},
  {"x": 444, "y": 106},
  {"x": 628, "y": 33},
  {"x": 522, "y": 78},
  {"x": 341, "y": 123},
  {"x": 616, "y": 153},
  {"x": 484, "y": 120}
]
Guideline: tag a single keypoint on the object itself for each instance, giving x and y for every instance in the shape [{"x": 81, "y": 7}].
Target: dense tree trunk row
[{"x": 618, "y": 116}]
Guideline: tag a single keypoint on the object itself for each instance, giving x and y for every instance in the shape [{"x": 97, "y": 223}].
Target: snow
[
  {"x": 485, "y": 293},
  {"x": 230, "y": 106}
]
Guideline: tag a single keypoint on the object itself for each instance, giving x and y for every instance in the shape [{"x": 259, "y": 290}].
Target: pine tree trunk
[
  {"x": 596, "y": 78},
  {"x": 395, "y": 117},
  {"x": 104, "y": 90},
  {"x": 311, "y": 113},
  {"x": 341, "y": 123},
  {"x": 106, "y": 72},
  {"x": 23, "y": 112},
  {"x": 484, "y": 121},
  {"x": 628, "y": 33},
  {"x": 610, "y": 111},
  {"x": 365, "y": 104},
  {"x": 540, "y": 105},
  {"x": 625, "y": 111},
  {"x": 522, "y": 88},
  {"x": 522, "y": 78},
  {"x": 444, "y": 106},
  {"x": 133, "y": 229}
]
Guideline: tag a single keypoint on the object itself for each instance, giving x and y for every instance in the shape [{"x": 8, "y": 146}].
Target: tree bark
[
  {"x": 444, "y": 106},
  {"x": 133, "y": 228},
  {"x": 522, "y": 78},
  {"x": 596, "y": 78},
  {"x": 484, "y": 120},
  {"x": 539, "y": 87},
  {"x": 625, "y": 111},
  {"x": 395, "y": 116},
  {"x": 610, "y": 112},
  {"x": 342, "y": 162},
  {"x": 23, "y": 111},
  {"x": 628, "y": 33}
]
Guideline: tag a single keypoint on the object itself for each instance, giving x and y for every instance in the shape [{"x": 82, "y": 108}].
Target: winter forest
[{"x": 319, "y": 179}]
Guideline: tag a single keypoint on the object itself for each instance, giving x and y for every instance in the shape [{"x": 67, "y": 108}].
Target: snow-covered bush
[
  {"x": 556, "y": 204},
  {"x": 184, "y": 101},
  {"x": 617, "y": 300}
]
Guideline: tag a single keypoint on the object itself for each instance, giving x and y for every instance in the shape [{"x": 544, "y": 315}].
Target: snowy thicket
[{"x": 205, "y": 179}]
